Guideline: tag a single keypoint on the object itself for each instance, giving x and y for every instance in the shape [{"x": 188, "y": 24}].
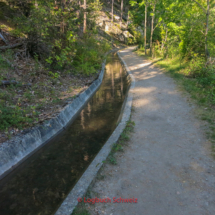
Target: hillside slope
[{"x": 31, "y": 91}]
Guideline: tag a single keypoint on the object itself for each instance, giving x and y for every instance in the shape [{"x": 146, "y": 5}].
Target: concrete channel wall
[
  {"x": 17, "y": 149},
  {"x": 79, "y": 190}
]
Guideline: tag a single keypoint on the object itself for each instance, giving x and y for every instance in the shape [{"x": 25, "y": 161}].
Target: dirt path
[{"x": 167, "y": 164}]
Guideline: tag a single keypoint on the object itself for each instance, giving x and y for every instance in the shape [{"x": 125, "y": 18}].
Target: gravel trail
[{"x": 167, "y": 164}]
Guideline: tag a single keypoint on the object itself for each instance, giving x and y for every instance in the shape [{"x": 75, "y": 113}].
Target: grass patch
[
  {"x": 81, "y": 210},
  {"x": 118, "y": 146}
]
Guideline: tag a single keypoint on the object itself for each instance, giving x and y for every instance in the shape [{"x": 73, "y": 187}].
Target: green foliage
[
  {"x": 80, "y": 210},
  {"x": 49, "y": 30},
  {"x": 3, "y": 67},
  {"x": 13, "y": 116},
  {"x": 112, "y": 159},
  {"x": 96, "y": 5},
  {"x": 118, "y": 147},
  {"x": 137, "y": 37},
  {"x": 54, "y": 75},
  {"x": 90, "y": 54},
  {"x": 196, "y": 76}
]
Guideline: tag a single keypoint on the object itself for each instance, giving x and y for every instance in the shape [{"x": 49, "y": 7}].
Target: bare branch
[
  {"x": 1, "y": 36},
  {"x": 14, "y": 82},
  {"x": 158, "y": 24},
  {"x": 201, "y": 6},
  {"x": 10, "y": 46}
]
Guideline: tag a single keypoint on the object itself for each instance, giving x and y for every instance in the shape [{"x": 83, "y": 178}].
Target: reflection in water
[
  {"x": 121, "y": 80},
  {"x": 89, "y": 109},
  {"x": 42, "y": 182},
  {"x": 112, "y": 81},
  {"x": 82, "y": 119}
]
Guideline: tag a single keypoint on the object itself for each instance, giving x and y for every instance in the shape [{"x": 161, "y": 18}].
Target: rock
[
  {"x": 127, "y": 34},
  {"x": 106, "y": 28}
]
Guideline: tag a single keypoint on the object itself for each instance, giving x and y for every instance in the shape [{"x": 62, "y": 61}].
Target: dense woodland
[{"x": 50, "y": 50}]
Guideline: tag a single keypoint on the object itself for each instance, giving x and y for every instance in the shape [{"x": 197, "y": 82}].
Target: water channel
[{"x": 40, "y": 184}]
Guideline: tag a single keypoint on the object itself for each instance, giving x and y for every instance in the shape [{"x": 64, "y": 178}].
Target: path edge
[{"x": 79, "y": 190}]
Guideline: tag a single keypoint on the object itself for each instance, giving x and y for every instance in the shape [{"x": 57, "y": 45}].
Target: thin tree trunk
[
  {"x": 207, "y": 12},
  {"x": 112, "y": 9},
  {"x": 152, "y": 29},
  {"x": 121, "y": 13},
  {"x": 10, "y": 46},
  {"x": 166, "y": 35},
  {"x": 164, "y": 41},
  {"x": 2, "y": 37},
  {"x": 145, "y": 27},
  {"x": 112, "y": 82},
  {"x": 63, "y": 4},
  {"x": 128, "y": 18},
  {"x": 85, "y": 17},
  {"x": 36, "y": 4},
  {"x": 207, "y": 54}
]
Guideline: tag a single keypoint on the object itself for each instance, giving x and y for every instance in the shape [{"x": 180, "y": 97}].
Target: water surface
[{"x": 40, "y": 184}]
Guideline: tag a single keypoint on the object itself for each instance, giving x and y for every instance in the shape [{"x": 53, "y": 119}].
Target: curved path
[{"x": 167, "y": 164}]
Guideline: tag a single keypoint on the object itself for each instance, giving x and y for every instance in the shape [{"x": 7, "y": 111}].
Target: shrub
[
  {"x": 12, "y": 116},
  {"x": 89, "y": 55}
]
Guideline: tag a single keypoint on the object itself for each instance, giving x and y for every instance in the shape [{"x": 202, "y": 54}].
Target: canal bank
[
  {"x": 47, "y": 176},
  {"x": 18, "y": 148},
  {"x": 89, "y": 175}
]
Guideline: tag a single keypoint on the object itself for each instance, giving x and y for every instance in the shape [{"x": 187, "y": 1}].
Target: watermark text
[{"x": 107, "y": 200}]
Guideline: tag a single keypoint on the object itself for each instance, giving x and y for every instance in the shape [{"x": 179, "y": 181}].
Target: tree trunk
[
  {"x": 128, "y": 18},
  {"x": 207, "y": 54},
  {"x": 207, "y": 12},
  {"x": 85, "y": 17},
  {"x": 2, "y": 37},
  {"x": 121, "y": 13},
  {"x": 145, "y": 27},
  {"x": 63, "y": 4},
  {"x": 112, "y": 9},
  {"x": 152, "y": 29},
  {"x": 10, "y": 46},
  {"x": 36, "y": 4},
  {"x": 164, "y": 41}
]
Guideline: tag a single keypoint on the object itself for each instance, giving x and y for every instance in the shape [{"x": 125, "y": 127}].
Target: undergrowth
[
  {"x": 118, "y": 146},
  {"x": 20, "y": 106},
  {"x": 81, "y": 210},
  {"x": 54, "y": 57},
  {"x": 89, "y": 56}
]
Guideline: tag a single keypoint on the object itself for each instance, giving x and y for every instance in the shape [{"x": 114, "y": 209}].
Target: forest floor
[
  {"x": 167, "y": 164},
  {"x": 39, "y": 94}
]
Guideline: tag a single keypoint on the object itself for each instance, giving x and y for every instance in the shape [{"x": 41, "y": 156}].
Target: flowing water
[{"x": 41, "y": 183}]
